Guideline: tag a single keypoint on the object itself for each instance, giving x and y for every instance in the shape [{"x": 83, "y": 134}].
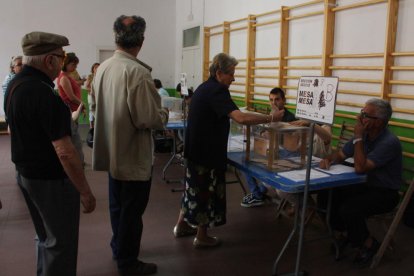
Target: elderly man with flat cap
[
  {"x": 49, "y": 170},
  {"x": 128, "y": 107}
]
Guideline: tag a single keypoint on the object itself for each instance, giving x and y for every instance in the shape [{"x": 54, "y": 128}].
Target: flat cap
[{"x": 38, "y": 43}]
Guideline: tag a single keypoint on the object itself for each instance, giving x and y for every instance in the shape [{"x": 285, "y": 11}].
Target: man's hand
[
  {"x": 88, "y": 201},
  {"x": 360, "y": 127},
  {"x": 325, "y": 164}
]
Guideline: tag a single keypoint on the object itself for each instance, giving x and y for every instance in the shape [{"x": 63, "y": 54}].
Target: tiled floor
[{"x": 251, "y": 238}]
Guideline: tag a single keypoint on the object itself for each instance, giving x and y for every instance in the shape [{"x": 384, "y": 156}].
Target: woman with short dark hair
[{"x": 204, "y": 200}]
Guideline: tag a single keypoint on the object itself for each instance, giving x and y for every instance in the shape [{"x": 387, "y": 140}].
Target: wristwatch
[{"x": 356, "y": 140}]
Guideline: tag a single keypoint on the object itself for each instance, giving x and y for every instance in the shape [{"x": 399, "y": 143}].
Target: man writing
[
  {"x": 49, "y": 170},
  {"x": 378, "y": 153},
  {"x": 128, "y": 107}
]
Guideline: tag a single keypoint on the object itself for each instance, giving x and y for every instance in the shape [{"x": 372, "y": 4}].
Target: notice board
[{"x": 316, "y": 99}]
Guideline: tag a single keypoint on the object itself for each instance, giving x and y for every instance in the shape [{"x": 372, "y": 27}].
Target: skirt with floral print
[{"x": 204, "y": 198}]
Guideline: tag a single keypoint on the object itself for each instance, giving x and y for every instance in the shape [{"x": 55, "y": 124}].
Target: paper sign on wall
[
  {"x": 316, "y": 99},
  {"x": 183, "y": 81}
]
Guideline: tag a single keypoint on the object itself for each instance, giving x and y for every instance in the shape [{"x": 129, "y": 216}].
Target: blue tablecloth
[
  {"x": 274, "y": 179},
  {"x": 175, "y": 125}
]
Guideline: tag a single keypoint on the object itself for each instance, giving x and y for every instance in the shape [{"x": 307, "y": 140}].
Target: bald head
[
  {"x": 128, "y": 21},
  {"x": 129, "y": 31}
]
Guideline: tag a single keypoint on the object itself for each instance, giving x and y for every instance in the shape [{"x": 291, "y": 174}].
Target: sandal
[
  {"x": 184, "y": 231},
  {"x": 214, "y": 242}
]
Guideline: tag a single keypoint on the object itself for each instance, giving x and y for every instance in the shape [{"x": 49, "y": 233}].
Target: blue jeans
[
  {"x": 127, "y": 203},
  {"x": 258, "y": 189},
  {"x": 54, "y": 208}
]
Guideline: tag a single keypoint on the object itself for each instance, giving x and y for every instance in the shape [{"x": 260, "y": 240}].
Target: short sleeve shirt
[
  {"x": 209, "y": 125},
  {"x": 288, "y": 116},
  {"x": 37, "y": 116},
  {"x": 386, "y": 153}
]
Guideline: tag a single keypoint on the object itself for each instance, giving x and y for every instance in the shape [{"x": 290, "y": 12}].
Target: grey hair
[
  {"x": 129, "y": 31},
  {"x": 13, "y": 60},
  {"x": 383, "y": 108},
  {"x": 222, "y": 62},
  {"x": 34, "y": 61}
]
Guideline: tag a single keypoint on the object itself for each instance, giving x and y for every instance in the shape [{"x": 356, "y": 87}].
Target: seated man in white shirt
[{"x": 161, "y": 91}]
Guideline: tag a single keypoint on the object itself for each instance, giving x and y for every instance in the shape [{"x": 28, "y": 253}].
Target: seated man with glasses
[{"x": 378, "y": 153}]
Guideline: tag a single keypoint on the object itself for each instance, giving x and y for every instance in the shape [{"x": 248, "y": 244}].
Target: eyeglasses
[
  {"x": 18, "y": 64},
  {"x": 59, "y": 56},
  {"x": 365, "y": 115}
]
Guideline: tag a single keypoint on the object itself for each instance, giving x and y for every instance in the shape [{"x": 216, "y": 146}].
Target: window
[{"x": 191, "y": 37}]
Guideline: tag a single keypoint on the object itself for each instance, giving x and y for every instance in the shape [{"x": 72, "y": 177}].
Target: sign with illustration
[{"x": 316, "y": 99}]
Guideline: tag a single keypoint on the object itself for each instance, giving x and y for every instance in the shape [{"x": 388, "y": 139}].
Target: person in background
[
  {"x": 178, "y": 89},
  {"x": 277, "y": 100},
  {"x": 204, "y": 199},
  {"x": 180, "y": 132},
  {"x": 187, "y": 101},
  {"x": 321, "y": 139},
  {"x": 378, "y": 153},
  {"x": 91, "y": 94},
  {"x": 75, "y": 75},
  {"x": 161, "y": 91},
  {"x": 49, "y": 170},
  {"x": 128, "y": 108},
  {"x": 70, "y": 92},
  {"x": 15, "y": 67},
  {"x": 187, "y": 98}
]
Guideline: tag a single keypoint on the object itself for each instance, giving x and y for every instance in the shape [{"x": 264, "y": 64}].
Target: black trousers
[
  {"x": 352, "y": 205},
  {"x": 127, "y": 203}
]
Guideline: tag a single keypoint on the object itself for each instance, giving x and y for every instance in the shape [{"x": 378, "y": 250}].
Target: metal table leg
[
  {"x": 289, "y": 239},
  {"x": 174, "y": 154}
]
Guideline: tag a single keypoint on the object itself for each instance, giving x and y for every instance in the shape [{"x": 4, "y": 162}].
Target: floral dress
[{"x": 204, "y": 199}]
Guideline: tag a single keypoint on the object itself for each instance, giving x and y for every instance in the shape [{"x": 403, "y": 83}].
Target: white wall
[
  {"x": 360, "y": 30},
  {"x": 88, "y": 25}
]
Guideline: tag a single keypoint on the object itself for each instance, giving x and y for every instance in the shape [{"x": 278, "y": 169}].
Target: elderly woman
[
  {"x": 70, "y": 92},
  {"x": 204, "y": 199},
  {"x": 15, "y": 67}
]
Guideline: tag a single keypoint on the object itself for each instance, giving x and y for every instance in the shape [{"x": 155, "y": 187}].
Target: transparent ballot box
[
  {"x": 237, "y": 138},
  {"x": 279, "y": 146},
  {"x": 175, "y": 108}
]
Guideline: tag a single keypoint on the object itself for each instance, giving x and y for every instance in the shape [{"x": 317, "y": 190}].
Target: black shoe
[
  {"x": 365, "y": 255},
  {"x": 138, "y": 268}
]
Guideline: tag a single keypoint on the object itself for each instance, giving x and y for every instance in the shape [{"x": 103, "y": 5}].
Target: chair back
[{"x": 346, "y": 134}]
